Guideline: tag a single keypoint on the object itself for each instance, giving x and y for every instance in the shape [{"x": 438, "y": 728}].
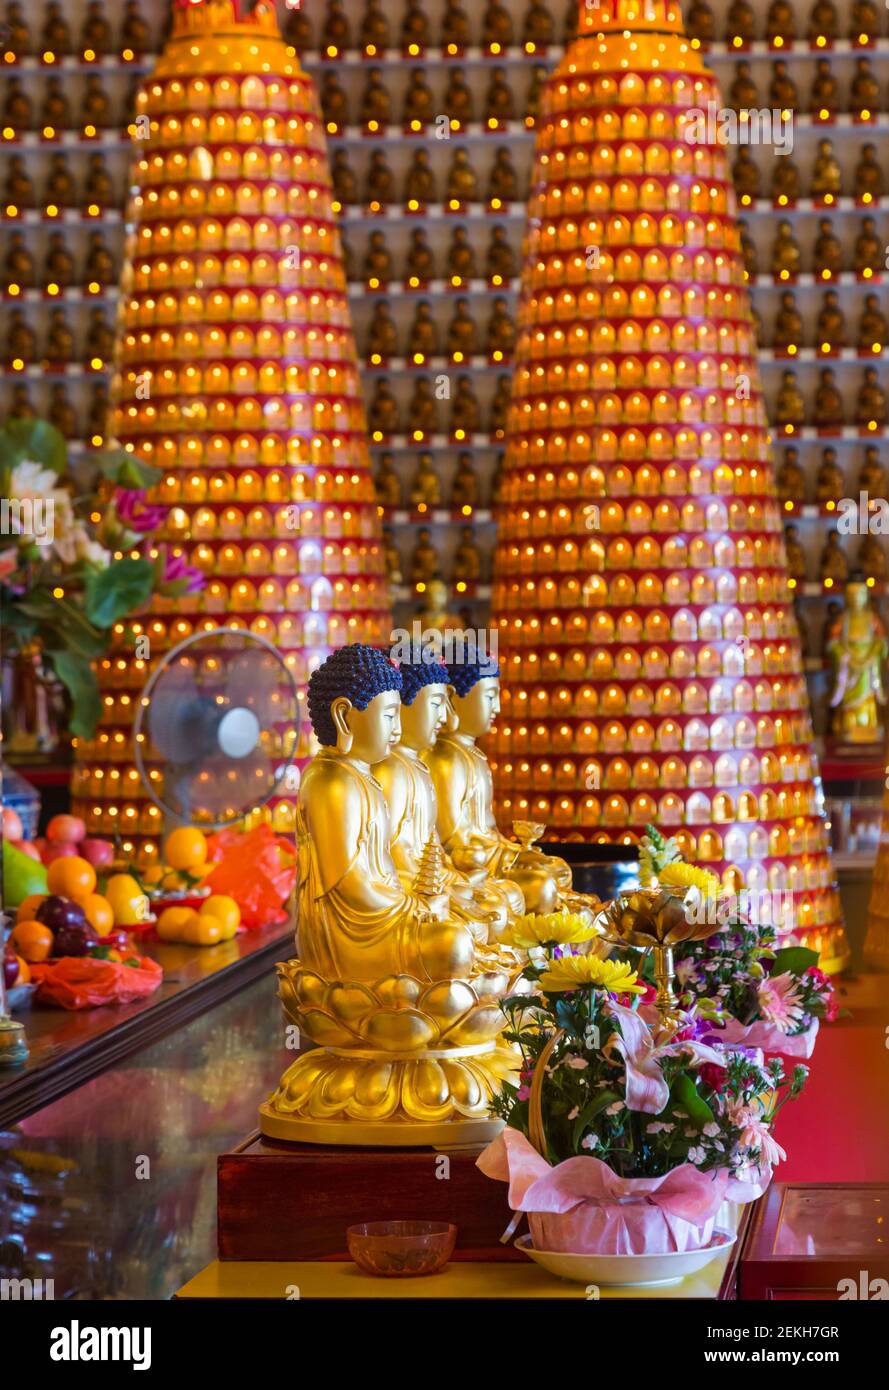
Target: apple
[
  {"x": 57, "y": 849},
  {"x": 55, "y": 912},
  {"x": 12, "y": 824},
  {"x": 10, "y": 968},
  {"x": 76, "y": 940},
  {"x": 99, "y": 853},
  {"x": 66, "y": 829}
]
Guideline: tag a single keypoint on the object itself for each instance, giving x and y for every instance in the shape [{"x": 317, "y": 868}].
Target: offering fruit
[
  {"x": 12, "y": 824},
  {"x": 58, "y": 849},
  {"x": 21, "y": 875},
  {"x": 75, "y": 940},
  {"x": 99, "y": 913},
  {"x": 10, "y": 968},
  {"x": 28, "y": 909},
  {"x": 173, "y": 921},
  {"x": 58, "y": 913},
  {"x": 66, "y": 829},
  {"x": 185, "y": 848},
  {"x": 128, "y": 903},
  {"x": 99, "y": 853},
  {"x": 226, "y": 912},
  {"x": 33, "y": 941},
  {"x": 72, "y": 877},
  {"x": 195, "y": 929}
]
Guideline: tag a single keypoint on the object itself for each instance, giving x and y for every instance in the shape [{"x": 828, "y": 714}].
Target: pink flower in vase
[
  {"x": 780, "y": 1002},
  {"x": 176, "y": 577},
  {"x": 137, "y": 514}
]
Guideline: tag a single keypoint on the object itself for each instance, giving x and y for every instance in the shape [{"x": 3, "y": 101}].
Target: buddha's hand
[{"x": 446, "y": 949}]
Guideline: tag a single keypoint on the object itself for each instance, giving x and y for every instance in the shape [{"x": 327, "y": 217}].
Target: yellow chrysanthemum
[
  {"x": 678, "y": 878},
  {"x": 573, "y": 972},
  {"x": 549, "y": 929}
]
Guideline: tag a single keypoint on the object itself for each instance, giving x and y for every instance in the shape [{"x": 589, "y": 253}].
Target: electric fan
[{"x": 217, "y": 728}]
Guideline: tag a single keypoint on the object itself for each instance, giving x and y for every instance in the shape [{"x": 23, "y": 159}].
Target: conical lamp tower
[
  {"x": 651, "y": 663},
  {"x": 237, "y": 376}
]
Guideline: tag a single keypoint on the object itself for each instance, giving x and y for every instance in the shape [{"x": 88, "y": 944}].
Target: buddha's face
[
  {"x": 424, "y": 717},
  {"x": 436, "y": 596},
  {"x": 856, "y": 597},
  {"x": 478, "y": 709},
  {"x": 368, "y": 734}
]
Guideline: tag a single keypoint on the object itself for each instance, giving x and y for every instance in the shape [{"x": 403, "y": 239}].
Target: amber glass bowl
[{"x": 401, "y": 1249}]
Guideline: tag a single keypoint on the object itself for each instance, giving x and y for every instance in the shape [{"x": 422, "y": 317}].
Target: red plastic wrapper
[
  {"x": 80, "y": 982},
  {"x": 257, "y": 869}
]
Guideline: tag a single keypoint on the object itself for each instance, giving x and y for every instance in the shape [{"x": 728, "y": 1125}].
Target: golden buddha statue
[
  {"x": 539, "y": 26},
  {"x": 391, "y": 557},
  {"x": 334, "y": 101},
  {"x": 873, "y": 475},
  {"x": 59, "y": 338},
  {"x": 824, "y": 95},
  {"x": 379, "y": 185},
  {"x": 95, "y": 32},
  {"x": 464, "y": 407},
  {"x": 17, "y": 106},
  {"x": 426, "y": 485},
  {"x": 501, "y": 331},
  {"x": 864, "y": 90},
  {"x": 740, "y": 21},
  {"x": 392, "y": 985},
  {"x": 422, "y": 408},
  {"x": 97, "y": 411},
  {"x": 435, "y": 615},
  {"x": 60, "y": 412},
  {"x": 788, "y": 323},
  {"x": 745, "y": 174},
  {"x": 415, "y": 26},
  {"x": 387, "y": 483},
  {"x": 419, "y": 181},
  {"x": 499, "y": 104},
  {"x": 382, "y": 335},
  {"x": 376, "y": 103},
  {"x": 55, "y": 35},
  {"x": 56, "y": 109},
  {"x": 461, "y": 256},
  {"x": 864, "y": 20},
  {"x": 499, "y": 409},
  {"x": 872, "y": 558},
  {"x": 418, "y": 103},
  {"x": 382, "y": 412},
  {"x": 827, "y": 253},
  {"x": 742, "y": 92},
  {"x": 873, "y": 329},
  {"x": 18, "y": 35},
  {"x": 99, "y": 337},
  {"x": 462, "y": 338},
  {"x": 497, "y": 26},
  {"x": 868, "y": 180},
  {"x": 462, "y": 183},
  {"x": 749, "y": 253},
  {"x": 536, "y": 88},
  {"x": 871, "y": 403},
  {"x": 458, "y": 99},
  {"x": 134, "y": 32},
  {"x": 467, "y": 560},
  {"x": 465, "y": 487},
  {"x": 420, "y": 261},
  {"x": 455, "y": 30},
  {"x": 785, "y": 181},
  {"x": 830, "y": 325},
  {"x": 823, "y": 20},
  {"x": 374, "y": 31},
  {"x": 503, "y": 181},
  {"x": 335, "y": 31},
  {"x": 422, "y": 338},
  {"x": 95, "y": 105},
  {"x": 18, "y": 188},
  {"x": 786, "y": 255},
  {"x": 857, "y": 647},
  {"x": 699, "y": 22},
  {"x": 780, "y": 21},
  {"x": 60, "y": 187},
  {"x": 345, "y": 184},
  {"x": 790, "y": 480},
  {"x": 828, "y": 401},
  {"x": 18, "y": 264},
  {"x": 18, "y": 339},
  {"x": 830, "y": 484},
  {"x": 99, "y": 261},
  {"x": 796, "y": 556},
  {"x": 377, "y": 264},
  {"x": 826, "y": 176},
  {"x": 783, "y": 94},
  {"x": 833, "y": 564},
  {"x": 868, "y": 252},
  {"x": 424, "y": 558}
]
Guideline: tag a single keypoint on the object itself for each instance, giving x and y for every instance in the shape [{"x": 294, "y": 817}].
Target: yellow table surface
[{"x": 460, "y": 1279}]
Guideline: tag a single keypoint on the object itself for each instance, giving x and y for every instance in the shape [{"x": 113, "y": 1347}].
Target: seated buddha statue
[
  {"x": 18, "y": 339},
  {"x": 377, "y": 264},
  {"x": 20, "y": 407},
  {"x": 745, "y": 174},
  {"x": 786, "y": 255},
  {"x": 420, "y": 261},
  {"x": 419, "y": 181},
  {"x": 868, "y": 251},
  {"x": 422, "y": 338},
  {"x": 499, "y": 408},
  {"x": 379, "y": 184},
  {"x": 830, "y": 484},
  {"x": 788, "y": 323},
  {"x": 424, "y": 558},
  {"x": 740, "y": 21},
  {"x": 98, "y": 186},
  {"x": 99, "y": 337},
  {"x": 462, "y": 336},
  {"x": 455, "y": 30},
  {"x": 465, "y": 415},
  {"x": 857, "y": 648},
  {"x": 426, "y": 485},
  {"x": 95, "y": 105},
  {"x": 382, "y": 335},
  {"x": 743, "y": 93},
  {"x": 99, "y": 261},
  {"x": 414, "y": 26},
  {"x": 500, "y": 335},
  {"x": 18, "y": 35},
  {"x": 824, "y": 95},
  {"x": 462, "y": 183},
  {"x": 539, "y": 26},
  {"x": 827, "y": 253},
  {"x": 872, "y": 558},
  {"x": 796, "y": 556},
  {"x": 59, "y": 338},
  {"x": 134, "y": 32},
  {"x": 422, "y": 409},
  {"x": 18, "y": 264},
  {"x": 461, "y": 256},
  {"x": 826, "y": 177},
  {"x": 789, "y": 408},
  {"x": 872, "y": 477},
  {"x": 382, "y": 412},
  {"x": 97, "y": 411},
  {"x": 391, "y": 557},
  {"x": 500, "y": 260},
  {"x": 60, "y": 412},
  {"x": 868, "y": 176},
  {"x": 55, "y": 35},
  {"x": 374, "y": 30},
  {"x": 864, "y": 89},
  {"x": 467, "y": 560},
  {"x": 18, "y": 189},
  {"x": 334, "y": 102},
  {"x": 497, "y": 26},
  {"x": 465, "y": 487},
  {"x": 418, "y": 103},
  {"x": 387, "y": 979},
  {"x": 499, "y": 104},
  {"x": 335, "y": 32},
  {"x": 823, "y": 21},
  {"x": 871, "y": 402},
  {"x": 345, "y": 184},
  {"x": 790, "y": 480},
  {"x": 833, "y": 563},
  {"x": 830, "y": 326},
  {"x": 872, "y": 326},
  {"x": 536, "y": 86},
  {"x": 56, "y": 109},
  {"x": 503, "y": 181},
  {"x": 95, "y": 32},
  {"x": 387, "y": 483},
  {"x": 829, "y": 411},
  {"x": 785, "y": 182},
  {"x": 780, "y": 21},
  {"x": 783, "y": 93},
  {"x": 699, "y": 22},
  {"x": 16, "y": 106},
  {"x": 864, "y": 19},
  {"x": 458, "y": 100},
  {"x": 376, "y": 103}
]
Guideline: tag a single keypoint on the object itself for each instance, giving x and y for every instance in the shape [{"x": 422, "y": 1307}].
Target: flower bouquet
[{"x": 620, "y": 1140}]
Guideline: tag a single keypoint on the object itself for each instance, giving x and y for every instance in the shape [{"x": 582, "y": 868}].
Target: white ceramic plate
[{"x": 637, "y": 1271}]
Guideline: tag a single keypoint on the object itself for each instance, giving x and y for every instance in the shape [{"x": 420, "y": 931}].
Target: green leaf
[
  {"x": 796, "y": 959},
  {"x": 79, "y": 679},
  {"x": 113, "y": 592},
  {"x": 125, "y": 469},
  {"x": 589, "y": 1112},
  {"x": 36, "y": 440},
  {"x": 684, "y": 1095}
]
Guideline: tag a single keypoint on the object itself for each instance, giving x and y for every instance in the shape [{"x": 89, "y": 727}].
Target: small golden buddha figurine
[
  {"x": 461, "y": 256},
  {"x": 17, "y": 111},
  {"x": 98, "y": 187},
  {"x": 833, "y": 564},
  {"x": 422, "y": 410},
  {"x": 857, "y": 648},
  {"x": 501, "y": 331},
  {"x": 420, "y": 262},
  {"x": 426, "y": 486},
  {"x": 434, "y": 615},
  {"x": 868, "y": 253},
  {"x": 97, "y": 415},
  {"x": 377, "y": 264},
  {"x": 95, "y": 105},
  {"x": 424, "y": 558},
  {"x": 455, "y": 29},
  {"x": 823, "y": 20},
  {"x": 465, "y": 414},
  {"x": 55, "y": 111},
  {"x": 99, "y": 266},
  {"x": 335, "y": 31},
  {"x": 827, "y": 253},
  {"x": 500, "y": 260},
  {"x": 497, "y": 26},
  {"x": 790, "y": 480},
  {"x": 382, "y": 413},
  {"x": 745, "y": 174},
  {"x": 20, "y": 407},
  {"x": 462, "y": 337},
  {"x": 873, "y": 475},
  {"x": 740, "y": 21},
  {"x": 864, "y": 89},
  {"x": 789, "y": 407},
  {"x": 376, "y": 103},
  {"x": 419, "y": 183},
  {"x": 99, "y": 338},
  {"x": 423, "y": 341},
  {"x": 786, "y": 255},
  {"x": 830, "y": 485},
  {"x": 829, "y": 412},
  {"x": 60, "y": 188},
  {"x": 382, "y": 335},
  {"x": 826, "y": 176},
  {"x": 873, "y": 329},
  {"x": 500, "y": 405},
  {"x": 387, "y": 483},
  {"x": 788, "y": 328},
  {"x": 503, "y": 182},
  {"x": 379, "y": 185},
  {"x": 61, "y": 413},
  {"x": 18, "y": 263},
  {"x": 536, "y": 86},
  {"x": 783, "y": 93},
  {"x": 374, "y": 30},
  {"x": 59, "y": 338},
  {"x": 465, "y": 487},
  {"x": 389, "y": 980},
  {"x": 462, "y": 183},
  {"x": 824, "y": 95},
  {"x": 391, "y": 557},
  {"x": 96, "y": 31},
  {"x": 334, "y": 101},
  {"x": 499, "y": 103},
  {"x": 743, "y": 94},
  {"x": 18, "y": 341},
  {"x": 796, "y": 556},
  {"x": 830, "y": 326},
  {"x": 418, "y": 104},
  {"x": 870, "y": 406},
  {"x": 785, "y": 182},
  {"x": 55, "y": 35},
  {"x": 864, "y": 20},
  {"x": 345, "y": 185},
  {"x": 539, "y": 26},
  {"x": 18, "y": 35},
  {"x": 58, "y": 266},
  {"x": 134, "y": 33},
  {"x": 872, "y": 558},
  {"x": 415, "y": 26},
  {"x": 297, "y": 30},
  {"x": 780, "y": 21},
  {"x": 458, "y": 101},
  {"x": 467, "y": 560},
  {"x": 699, "y": 22},
  {"x": 18, "y": 189},
  {"x": 868, "y": 177}
]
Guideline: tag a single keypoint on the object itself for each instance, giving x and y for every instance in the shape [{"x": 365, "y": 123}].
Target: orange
[
  {"x": 32, "y": 940},
  {"x": 224, "y": 909},
  {"x": 27, "y": 910},
  {"x": 24, "y": 975},
  {"x": 185, "y": 848},
  {"x": 99, "y": 912},
  {"x": 174, "y": 921},
  {"x": 204, "y": 931},
  {"x": 71, "y": 877},
  {"x": 128, "y": 903}
]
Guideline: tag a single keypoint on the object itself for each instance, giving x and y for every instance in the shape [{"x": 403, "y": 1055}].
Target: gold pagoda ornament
[
  {"x": 652, "y": 668},
  {"x": 236, "y": 375}
]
